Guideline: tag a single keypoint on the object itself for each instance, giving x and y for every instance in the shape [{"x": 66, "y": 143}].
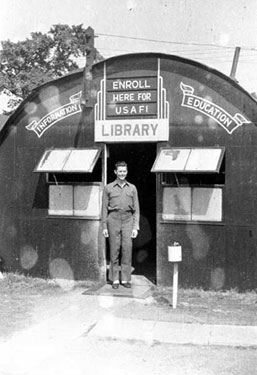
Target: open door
[{"x": 140, "y": 158}]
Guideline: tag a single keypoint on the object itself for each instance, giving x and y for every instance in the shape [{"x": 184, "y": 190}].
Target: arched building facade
[{"x": 189, "y": 136}]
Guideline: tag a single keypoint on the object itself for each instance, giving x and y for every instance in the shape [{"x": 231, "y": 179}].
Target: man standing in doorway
[{"x": 120, "y": 214}]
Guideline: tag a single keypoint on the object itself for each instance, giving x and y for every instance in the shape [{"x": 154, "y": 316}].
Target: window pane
[
  {"x": 81, "y": 160},
  {"x": 87, "y": 200},
  {"x": 53, "y": 160},
  {"x": 172, "y": 159},
  {"x": 176, "y": 203},
  {"x": 77, "y": 177},
  {"x": 202, "y": 159},
  {"x": 188, "y": 160},
  {"x": 60, "y": 200},
  {"x": 196, "y": 179},
  {"x": 68, "y": 160},
  {"x": 207, "y": 204}
]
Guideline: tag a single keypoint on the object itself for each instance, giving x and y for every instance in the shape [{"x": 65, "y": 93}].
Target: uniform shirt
[{"x": 120, "y": 198}]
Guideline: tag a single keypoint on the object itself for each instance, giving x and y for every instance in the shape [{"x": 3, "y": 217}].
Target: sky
[{"x": 207, "y": 31}]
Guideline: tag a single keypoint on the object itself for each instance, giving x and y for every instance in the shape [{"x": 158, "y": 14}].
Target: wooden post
[
  {"x": 175, "y": 285},
  {"x": 87, "y": 74},
  {"x": 175, "y": 256},
  {"x": 235, "y": 63}
]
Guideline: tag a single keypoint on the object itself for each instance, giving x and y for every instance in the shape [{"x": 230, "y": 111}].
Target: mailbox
[{"x": 175, "y": 252}]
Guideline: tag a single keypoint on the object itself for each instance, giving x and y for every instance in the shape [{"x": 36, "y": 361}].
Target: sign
[
  {"x": 132, "y": 84},
  {"x": 132, "y": 109},
  {"x": 215, "y": 112},
  {"x": 124, "y": 99},
  {"x": 140, "y": 130},
  {"x": 136, "y": 96},
  {"x": 41, "y": 126}
]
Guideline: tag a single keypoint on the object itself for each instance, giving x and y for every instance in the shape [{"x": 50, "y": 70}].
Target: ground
[
  {"x": 30, "y": 300},
  {"x": 110, "y": 357},
  {"x": 27, "y": 301}
]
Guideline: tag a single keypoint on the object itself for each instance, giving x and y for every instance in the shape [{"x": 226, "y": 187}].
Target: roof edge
[{"x": 230, "y": 80}]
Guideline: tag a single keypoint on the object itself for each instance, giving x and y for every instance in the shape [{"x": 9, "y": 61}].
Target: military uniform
[{"x": 120, "y": 214}]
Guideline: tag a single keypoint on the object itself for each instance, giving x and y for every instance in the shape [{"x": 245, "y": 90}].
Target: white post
[
  {"x": 175, "y": 256},
  {"x": 175, "y": 286}
]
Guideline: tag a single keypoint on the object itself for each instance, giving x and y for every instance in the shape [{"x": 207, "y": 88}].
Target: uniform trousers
[{"x": 120, "y": 225}]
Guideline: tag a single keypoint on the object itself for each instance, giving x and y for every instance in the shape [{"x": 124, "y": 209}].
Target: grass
[
  {"x": 15, "y": 283},
  {"x": 212, "y": 307},
  {"x": 21, "y": 295}
]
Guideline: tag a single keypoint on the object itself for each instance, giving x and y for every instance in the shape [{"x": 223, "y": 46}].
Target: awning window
[
  {"x": 187, "y": 160},
  {"x": 68, "y": 160}
]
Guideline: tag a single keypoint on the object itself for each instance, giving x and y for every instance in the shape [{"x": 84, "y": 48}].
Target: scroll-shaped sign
[
  {"x": 220, "y": 115},
  {"x": 42, "y": 125}
]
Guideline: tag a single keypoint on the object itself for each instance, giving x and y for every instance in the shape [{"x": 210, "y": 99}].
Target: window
[
  {"x": 68, "y": 160},
  {"x": 192, "y": 204},
  {"x": 188, "y": 160},
  {"x": 75, "y": 200},
  {"x": 74, "y": 180},
  {"x": 192, "y": 180}
]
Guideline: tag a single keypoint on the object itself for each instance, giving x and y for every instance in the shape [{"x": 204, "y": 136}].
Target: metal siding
[
  {"x": 206, "y": 248},
  {"x": 203, "y": 252},
  {"x": 38, "y": 240}
]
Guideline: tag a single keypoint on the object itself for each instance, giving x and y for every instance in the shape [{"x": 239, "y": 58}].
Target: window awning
[
  {"x": 187, "y": 160},
  {"x": 68, "y": 160}
]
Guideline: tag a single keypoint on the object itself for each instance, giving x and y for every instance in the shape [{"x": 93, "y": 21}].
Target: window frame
[
  {"x": 73, "y": 188},
  {"x": 178, "y": 176},
  {"x": 40, "y": 168},
  {"x": 68, "y": 186},
  {"x": 186, "y": 159},
  {"x": 165, "y": 219}
]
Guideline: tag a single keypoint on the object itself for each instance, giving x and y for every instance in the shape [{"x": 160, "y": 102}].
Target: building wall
[
  {"x": 32, "y": 241},
  {"x": 215, "y": 255}
]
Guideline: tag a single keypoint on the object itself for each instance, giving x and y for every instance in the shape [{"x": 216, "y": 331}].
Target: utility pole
[
  {"x": 87, "y": 81},
  {"x": 235, "y": 63},
  {"x": 87, "y": 75}
]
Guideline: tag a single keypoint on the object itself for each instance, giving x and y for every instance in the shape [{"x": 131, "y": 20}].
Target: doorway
[{"x": 140, "y": 158}]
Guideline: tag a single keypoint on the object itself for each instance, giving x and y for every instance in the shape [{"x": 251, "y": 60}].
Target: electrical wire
[
  {"x": 211, "y": 53},
  {"x": 178, "y": 43},
  {"x": 187, "y": 54}
]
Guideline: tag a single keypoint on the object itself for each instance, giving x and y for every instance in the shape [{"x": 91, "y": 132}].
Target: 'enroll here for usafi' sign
[{"x": 131, "y": 109}]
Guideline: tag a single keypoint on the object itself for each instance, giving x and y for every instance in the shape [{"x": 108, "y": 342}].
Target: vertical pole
[
  {"x": 104, "y": 182},
  {"x": 87, "y": 74},
  {"x": 104, "y": 164},
  {"x": 235, "y": 63},
  {"x": 175, "y": 285}
]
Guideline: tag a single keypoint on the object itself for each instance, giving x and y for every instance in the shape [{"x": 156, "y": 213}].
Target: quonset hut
[{"x": 189, "y": 136}]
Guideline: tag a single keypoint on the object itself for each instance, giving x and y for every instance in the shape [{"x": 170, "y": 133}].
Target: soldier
[{"x": 120, "y": 214}]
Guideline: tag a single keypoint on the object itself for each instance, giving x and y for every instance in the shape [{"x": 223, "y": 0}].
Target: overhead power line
[
  {"x": 178, "y": 43},
  {"x": 195, "y": 54}
]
